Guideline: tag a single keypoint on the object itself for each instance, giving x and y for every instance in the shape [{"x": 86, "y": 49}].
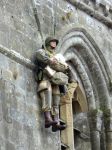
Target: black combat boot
[
  {"x": 48, "y": 119},
  {"x": 58, "y": 126}
]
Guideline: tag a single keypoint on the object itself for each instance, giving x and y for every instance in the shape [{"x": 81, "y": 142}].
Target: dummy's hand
[
  {"x": 67, "y": 68},
  {"x": 53, "y": 60}
]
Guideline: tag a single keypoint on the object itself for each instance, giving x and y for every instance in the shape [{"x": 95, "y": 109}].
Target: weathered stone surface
[{"x": 21, "y": 120}]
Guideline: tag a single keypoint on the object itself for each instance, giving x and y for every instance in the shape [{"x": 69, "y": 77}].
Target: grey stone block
[
  {"x": 7, "y": 74},
  {"x": 10, "y": 146}
]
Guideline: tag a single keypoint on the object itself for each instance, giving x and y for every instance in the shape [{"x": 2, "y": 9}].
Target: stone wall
[{"x": 21, "y": 120}]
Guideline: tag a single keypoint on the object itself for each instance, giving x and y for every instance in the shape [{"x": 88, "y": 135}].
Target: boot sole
[{"x": 55, "y": 129}]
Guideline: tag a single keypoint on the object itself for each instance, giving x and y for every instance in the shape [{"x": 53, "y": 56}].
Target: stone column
[
  {"x": 95, "y": 122},
  {"x": 66, "y": 114},
  {"x": 108, "y": 128}
]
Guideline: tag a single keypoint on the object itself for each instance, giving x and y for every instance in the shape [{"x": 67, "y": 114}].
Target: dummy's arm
[{"x": 42, "y": 56}]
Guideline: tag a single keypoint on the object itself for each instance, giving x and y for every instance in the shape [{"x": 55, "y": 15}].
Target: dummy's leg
[
  {"x": 56, "y": 103},
  {"x": 46, "y": 97}
]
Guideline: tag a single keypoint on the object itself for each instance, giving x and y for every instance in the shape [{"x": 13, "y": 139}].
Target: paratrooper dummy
[{"x": 50, "y": 76}]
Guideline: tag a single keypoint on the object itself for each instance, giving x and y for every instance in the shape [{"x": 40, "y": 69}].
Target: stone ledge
[
  {"x": 16, "y": 57},
  {"x": 90, "y": 11}
]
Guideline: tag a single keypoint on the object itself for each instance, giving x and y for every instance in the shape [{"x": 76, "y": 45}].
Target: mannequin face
[{"x": 53, "y": 44}]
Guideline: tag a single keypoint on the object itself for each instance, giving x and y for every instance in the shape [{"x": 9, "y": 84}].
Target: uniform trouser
[{"x": 50, "y": 97}]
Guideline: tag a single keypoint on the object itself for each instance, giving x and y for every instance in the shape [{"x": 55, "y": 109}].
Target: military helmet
[{"x": 49, "y": 39}]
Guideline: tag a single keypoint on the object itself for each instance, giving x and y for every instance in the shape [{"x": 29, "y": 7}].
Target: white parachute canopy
[{"x": 61, "y": 59}]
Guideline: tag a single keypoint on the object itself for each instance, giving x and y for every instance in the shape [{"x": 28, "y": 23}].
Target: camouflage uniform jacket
[{"x": 42, "y": 59}]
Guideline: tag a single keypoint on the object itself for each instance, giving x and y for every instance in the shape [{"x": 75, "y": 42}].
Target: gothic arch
[{"x": 87, "y": 60}]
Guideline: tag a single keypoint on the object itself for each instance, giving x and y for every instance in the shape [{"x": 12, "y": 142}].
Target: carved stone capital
[{"x": 67, "y": 99}]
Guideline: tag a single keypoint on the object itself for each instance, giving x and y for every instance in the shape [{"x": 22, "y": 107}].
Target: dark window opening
[
  {"x": 63, "y": 146},
  {"x": 76, "y": 107}
]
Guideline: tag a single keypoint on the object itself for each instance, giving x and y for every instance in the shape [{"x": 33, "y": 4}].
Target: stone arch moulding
[
  {"x": 87, "y": 60},
  {"x": 79, "y": 48}
]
